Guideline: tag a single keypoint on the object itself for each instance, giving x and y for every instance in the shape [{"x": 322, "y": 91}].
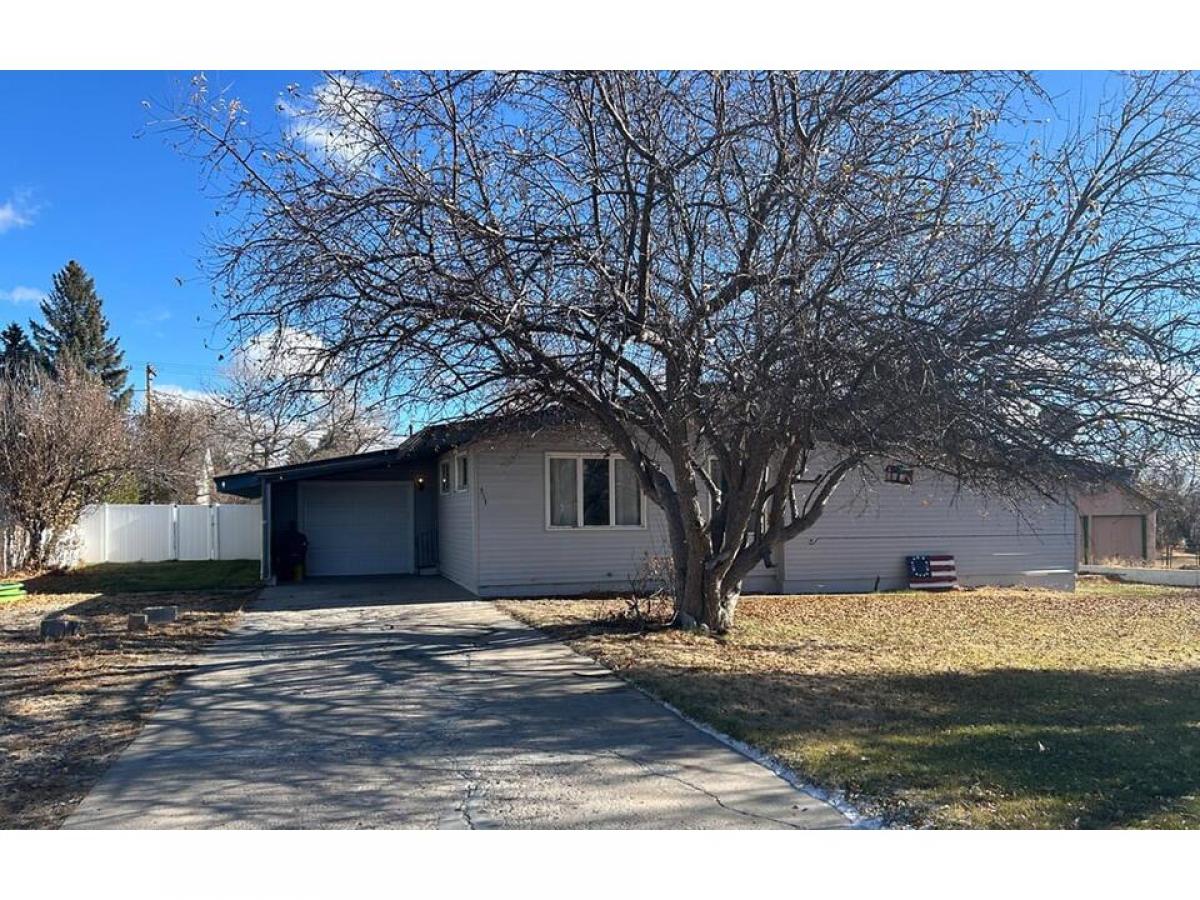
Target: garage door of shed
[
  {"x": 1116, "y": 537},
  {"x": 358, "y": 527}
]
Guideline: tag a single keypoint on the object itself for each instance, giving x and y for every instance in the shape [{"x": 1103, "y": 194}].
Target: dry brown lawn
[
  {"x": 979, "y": 708},
  {"x": 67, "y": 708}
]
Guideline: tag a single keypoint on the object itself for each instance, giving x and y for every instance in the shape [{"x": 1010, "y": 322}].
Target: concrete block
[
  {"x": 161, "y": 615},
  {"x": 55, "y": 628},
  {"x": 138, "y": 622}
]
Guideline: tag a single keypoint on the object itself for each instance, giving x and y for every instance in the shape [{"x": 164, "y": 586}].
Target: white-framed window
[
  {"x": 462, "y": 472},
  {"x": 444, "y": 477},
  {"x": 588, "y": 490}
]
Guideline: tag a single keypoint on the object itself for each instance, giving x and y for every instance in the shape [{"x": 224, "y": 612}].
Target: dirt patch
[{"x": 67, "y": 708}]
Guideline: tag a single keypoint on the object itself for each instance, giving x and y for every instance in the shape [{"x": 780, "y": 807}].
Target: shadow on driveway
[{"x": 341, "y": 705}]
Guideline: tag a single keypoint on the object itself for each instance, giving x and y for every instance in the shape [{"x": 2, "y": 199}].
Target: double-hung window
[
  {"x": 462, "y": 472},
  {"x": 590, "y": 491}
]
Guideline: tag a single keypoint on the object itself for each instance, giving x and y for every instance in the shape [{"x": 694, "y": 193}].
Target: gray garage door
[{"x": 358, "y": 527}]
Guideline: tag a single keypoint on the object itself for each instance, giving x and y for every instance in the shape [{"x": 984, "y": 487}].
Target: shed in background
[{"x": 1116, "y": 523}]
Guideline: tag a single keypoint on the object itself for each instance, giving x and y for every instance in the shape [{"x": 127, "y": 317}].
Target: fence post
[
  {"x": 104, "y": 532},
  {"x": 214, "y": 512}
]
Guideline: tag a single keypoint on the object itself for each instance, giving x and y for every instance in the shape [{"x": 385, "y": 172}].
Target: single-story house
[{"x": 546, "y": 510}]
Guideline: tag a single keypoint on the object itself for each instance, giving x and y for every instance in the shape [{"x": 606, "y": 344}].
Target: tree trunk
[
  {"x": 35, "y": 548},
  {"x": 701, "y": 599}
]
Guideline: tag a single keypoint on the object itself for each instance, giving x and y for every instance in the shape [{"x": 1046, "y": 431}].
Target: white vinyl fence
[{"x": 151, "y": 532}]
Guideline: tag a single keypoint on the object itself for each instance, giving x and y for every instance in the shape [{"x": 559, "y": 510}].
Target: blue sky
[{"x": 77, "y": 183}]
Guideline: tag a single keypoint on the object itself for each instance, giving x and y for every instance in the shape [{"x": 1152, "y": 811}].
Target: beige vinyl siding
[
  {"x": 867, "y": 530},
  {"x": 520, "y": 556},
  {"x": 457, "y": 555},
  {"x": 762, "y": 580},
  {"x": 859, "y": 543}
]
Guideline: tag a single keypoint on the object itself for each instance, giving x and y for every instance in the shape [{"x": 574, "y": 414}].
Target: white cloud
[
  {"x": 331, "y": 119},
  {"x": 21, "y": 294},
  {"x": 17, "y": 212},
  {"x": 285, "y": 353},
  {"x": 153, "y": 316}
]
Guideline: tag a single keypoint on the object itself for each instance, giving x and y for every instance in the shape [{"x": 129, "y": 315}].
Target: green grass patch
[
  {"x": 993, "y": 708},
  {"x": 126, "y": 578}
]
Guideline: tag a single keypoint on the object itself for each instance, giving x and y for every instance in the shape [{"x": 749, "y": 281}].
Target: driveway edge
[{"x": 836, "y": 799}]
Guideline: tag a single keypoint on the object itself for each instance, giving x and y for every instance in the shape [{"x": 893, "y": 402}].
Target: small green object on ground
[{"x": 11, "y": 590}]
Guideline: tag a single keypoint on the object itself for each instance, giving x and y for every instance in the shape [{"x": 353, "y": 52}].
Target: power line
[{"x": 139, "y": 363}]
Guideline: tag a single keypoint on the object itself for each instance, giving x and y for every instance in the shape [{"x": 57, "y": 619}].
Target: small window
[
  {"x": 444, "y": 477},
  {"x": 462, "y": 465}
]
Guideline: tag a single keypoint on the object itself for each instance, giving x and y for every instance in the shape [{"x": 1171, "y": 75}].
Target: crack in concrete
[
  {"x": 465, "y": 808},
  {"x": 469, "y": 705},
  {"x": 476, "y": 642},
  {"x": 716, "y": 798}
]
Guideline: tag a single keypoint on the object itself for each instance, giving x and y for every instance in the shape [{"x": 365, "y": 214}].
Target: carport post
[{"x": 265, "y": 555}]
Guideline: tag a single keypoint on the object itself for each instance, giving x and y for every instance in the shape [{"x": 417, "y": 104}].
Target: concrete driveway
[{"x": 403, "y": 703}]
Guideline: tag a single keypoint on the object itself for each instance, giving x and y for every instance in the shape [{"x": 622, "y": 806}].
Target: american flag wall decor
[{"x": 931, "y": 573}]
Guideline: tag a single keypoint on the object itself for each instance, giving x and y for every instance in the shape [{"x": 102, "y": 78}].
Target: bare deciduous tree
[
  {"x": 1173, "y": 485},
  {"x": 63, "y": 445},
  {"x": 171, "y": 437},
  {"x": 737, "y": 267},
  {"x": 269, "y": 411}
]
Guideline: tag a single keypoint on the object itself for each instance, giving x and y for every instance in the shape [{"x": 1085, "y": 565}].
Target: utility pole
[{"x": 150, "y": 373}]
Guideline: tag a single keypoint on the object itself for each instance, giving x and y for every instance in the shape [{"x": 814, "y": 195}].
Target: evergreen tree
[
  {"x": 76, "y": 328},
  {"x": 16, "y": 352}
]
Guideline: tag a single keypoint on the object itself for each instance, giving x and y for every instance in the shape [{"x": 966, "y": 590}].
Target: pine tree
[
  {"x": 76, "y": 329},
  {"x": 16, "y": 352}
]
